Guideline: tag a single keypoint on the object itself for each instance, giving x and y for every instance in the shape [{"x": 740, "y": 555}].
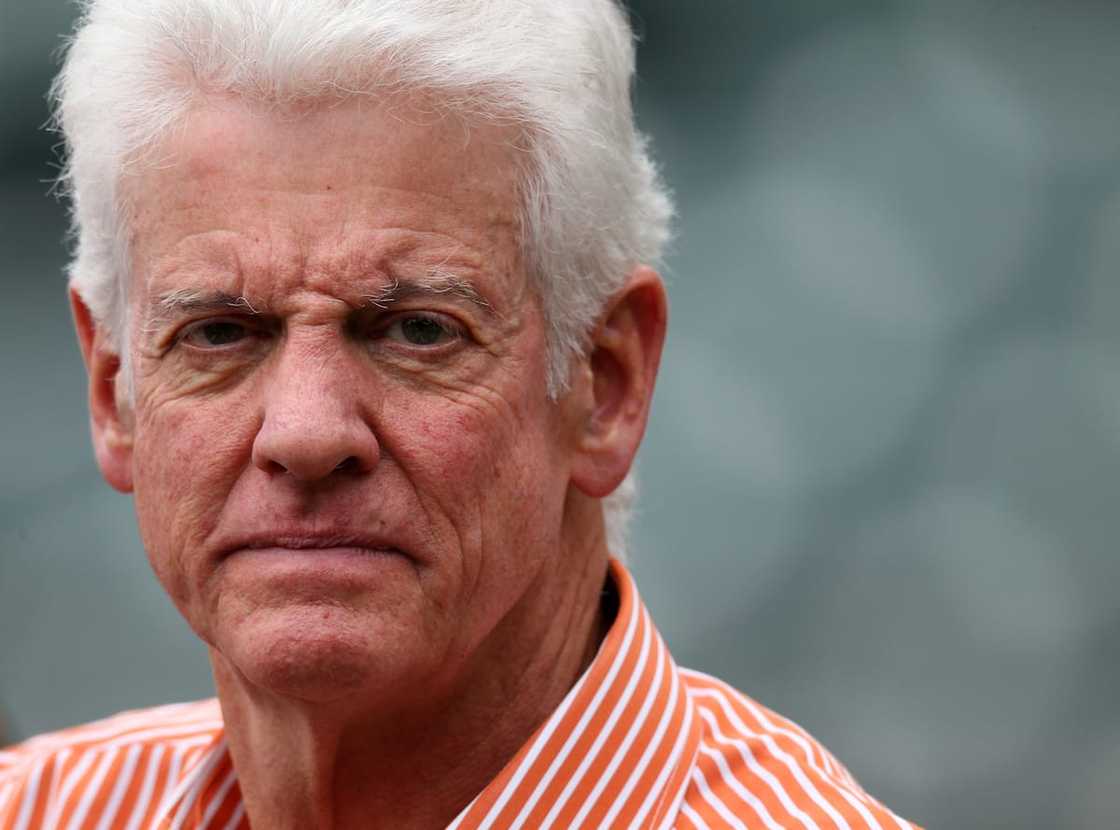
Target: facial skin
[{"x": 347, "y": 470}]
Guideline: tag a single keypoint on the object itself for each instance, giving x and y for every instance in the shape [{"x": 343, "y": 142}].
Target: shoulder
[
  {"x": 757, "y": 768},
  {"x": 50, "y": 776}
]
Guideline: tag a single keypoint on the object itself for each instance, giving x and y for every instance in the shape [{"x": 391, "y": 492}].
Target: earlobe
[
  {"x": 110, "y": 418},
  {"x": 622, "y": 362}
]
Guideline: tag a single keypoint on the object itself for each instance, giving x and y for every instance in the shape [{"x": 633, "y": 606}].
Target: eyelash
[{"x": 451, "y": 329}]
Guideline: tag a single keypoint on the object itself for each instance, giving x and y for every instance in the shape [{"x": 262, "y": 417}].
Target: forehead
[{"x": 351, "y": 190}]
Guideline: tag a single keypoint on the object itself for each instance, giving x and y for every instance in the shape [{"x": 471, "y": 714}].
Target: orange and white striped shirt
[{"x": 636, "y": 743}]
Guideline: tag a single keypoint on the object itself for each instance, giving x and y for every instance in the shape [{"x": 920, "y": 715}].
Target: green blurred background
[{"x": 879, "y": 487}]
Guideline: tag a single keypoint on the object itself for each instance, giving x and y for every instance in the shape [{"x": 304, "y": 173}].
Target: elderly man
[{"x": 360, "y": 290}]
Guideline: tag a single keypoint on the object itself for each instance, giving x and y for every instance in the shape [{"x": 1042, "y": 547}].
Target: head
[{"x": 376, "y": 266}]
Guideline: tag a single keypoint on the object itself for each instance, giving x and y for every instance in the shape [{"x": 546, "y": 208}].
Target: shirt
[{"x": 637, "y": 743}]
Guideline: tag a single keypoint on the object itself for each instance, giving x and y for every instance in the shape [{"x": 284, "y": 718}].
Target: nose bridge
[
  {"x": 313, "y": 421},
  {"x": 309, "y": 367}
]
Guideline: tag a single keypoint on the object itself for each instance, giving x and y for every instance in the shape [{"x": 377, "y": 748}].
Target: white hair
[{"x": 592, "y": 205}]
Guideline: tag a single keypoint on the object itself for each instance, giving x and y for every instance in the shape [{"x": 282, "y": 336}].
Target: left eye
[
  {"x": 422, "y": 330},
  {"x": 215, "y": 333}
]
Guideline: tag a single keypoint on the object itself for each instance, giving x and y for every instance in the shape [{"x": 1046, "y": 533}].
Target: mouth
[
  {"x": 315, "y": 568},
  {"x": 319, "y": 543},
  {"x": 312, "y": 544}
]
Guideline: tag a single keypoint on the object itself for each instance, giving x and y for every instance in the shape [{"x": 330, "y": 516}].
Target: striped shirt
[{"x": 636, "y": 743}]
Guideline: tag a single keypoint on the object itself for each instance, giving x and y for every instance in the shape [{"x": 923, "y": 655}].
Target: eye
[
  {"x": 213, "y": 334},
  {"x": 422, "y": 330}
]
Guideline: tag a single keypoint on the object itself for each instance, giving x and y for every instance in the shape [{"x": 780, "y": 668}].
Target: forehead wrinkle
[
  {"x": 392, "y": 262},
  {"x": 398, "y": 243}
]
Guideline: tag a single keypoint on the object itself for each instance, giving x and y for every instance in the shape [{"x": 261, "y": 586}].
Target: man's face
[{"x": 346, "y": 467}]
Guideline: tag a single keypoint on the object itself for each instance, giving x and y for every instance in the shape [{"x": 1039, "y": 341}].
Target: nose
[{"x": 314, "y": 424}]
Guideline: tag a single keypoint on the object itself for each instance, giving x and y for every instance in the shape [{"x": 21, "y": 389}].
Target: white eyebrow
[
  {"x": 191, "y": 299},
  {"x": 437, "y": 282}
]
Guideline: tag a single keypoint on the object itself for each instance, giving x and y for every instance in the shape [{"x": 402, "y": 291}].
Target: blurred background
[{"x": 879, "y": 487}]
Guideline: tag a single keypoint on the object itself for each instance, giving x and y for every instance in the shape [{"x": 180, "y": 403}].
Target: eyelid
[
  {"x": 393, "y": 315},
  {"x": 251, "y": 325}
]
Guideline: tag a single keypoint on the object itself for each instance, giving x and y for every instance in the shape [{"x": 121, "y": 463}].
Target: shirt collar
[{"x": 617, "y": 750}]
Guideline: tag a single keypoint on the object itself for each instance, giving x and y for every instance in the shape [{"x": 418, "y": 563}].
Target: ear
[
  {"x": 110, "y": 418},
  {"x": 617, "y": 382}
]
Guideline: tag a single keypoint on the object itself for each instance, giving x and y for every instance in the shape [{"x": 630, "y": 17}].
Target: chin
[{"x": 314, "y": 654}]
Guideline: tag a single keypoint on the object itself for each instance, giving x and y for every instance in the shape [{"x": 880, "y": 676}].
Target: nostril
[
  {"x": 347, "y": 465},
  {"x": 312, "y": 451}
]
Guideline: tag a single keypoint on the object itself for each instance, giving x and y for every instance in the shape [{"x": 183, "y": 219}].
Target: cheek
[
  {"x": 188, "y": 457},
  {"x": 488, "y": 466}
]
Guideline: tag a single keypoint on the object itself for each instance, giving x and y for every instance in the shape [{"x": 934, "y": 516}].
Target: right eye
[{"x": 214, "y": 334}]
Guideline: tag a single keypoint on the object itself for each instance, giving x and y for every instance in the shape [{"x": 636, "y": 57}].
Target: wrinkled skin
[{"x": 347, "y": 470}]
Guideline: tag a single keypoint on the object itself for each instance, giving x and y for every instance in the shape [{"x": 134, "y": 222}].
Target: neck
[{"x": 356, "y": 763}]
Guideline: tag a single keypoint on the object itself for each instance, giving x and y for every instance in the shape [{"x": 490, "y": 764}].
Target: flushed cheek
[
  {"x": 478, "y": 468},
  {"x": 448, "y": 440}
]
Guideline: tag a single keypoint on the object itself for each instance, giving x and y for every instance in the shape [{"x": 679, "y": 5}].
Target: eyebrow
[
  {"x": 189, "y": 299},
  {"x": 438, "y": 283}
]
